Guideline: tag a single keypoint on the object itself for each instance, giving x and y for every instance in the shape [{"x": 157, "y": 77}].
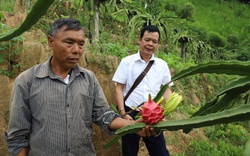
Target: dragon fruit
[{"x": 151, "y": 112}]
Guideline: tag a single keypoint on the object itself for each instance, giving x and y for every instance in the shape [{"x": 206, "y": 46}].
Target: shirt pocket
[{"x": 86, "y": 107}]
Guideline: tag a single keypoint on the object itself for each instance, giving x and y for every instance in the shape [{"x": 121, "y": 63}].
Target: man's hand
[
  {"x": 147, "y": 132},
  {"x": 128, "y": 117},
  {"x": 23, "y": 152}
]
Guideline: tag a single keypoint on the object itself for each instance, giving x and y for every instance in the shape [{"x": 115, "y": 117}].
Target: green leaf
[
  {"x": 247, "y": 150},
  {"x": 222, "y": 67},
  {"x": 227, "y": 101},
  {"x": 161, "y": 92},
  {"x": 241, "y": 82},
  {"x": 37, "y": 11},
  {"x": 233, "y": 115},
  {"x": 111, "y": 142},
  {"x": 230, "y": 92},
  {"x": 241, "y": 113}
]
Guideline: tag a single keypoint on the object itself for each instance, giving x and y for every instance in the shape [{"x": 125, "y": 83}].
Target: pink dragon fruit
[{"x": 151, "y": 112}]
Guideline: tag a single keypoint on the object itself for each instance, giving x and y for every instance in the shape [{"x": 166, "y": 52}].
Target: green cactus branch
[
  {"x": 241, "y": 113},
  {"x": 222, "y": 102},
  {"x": 239, "y": 83},
  {"x": 220, "y": 67},
  {"x": 37, "y": 11}
]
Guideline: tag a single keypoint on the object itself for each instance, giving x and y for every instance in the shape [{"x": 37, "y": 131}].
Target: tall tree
[{"x": 94, "y": 22}]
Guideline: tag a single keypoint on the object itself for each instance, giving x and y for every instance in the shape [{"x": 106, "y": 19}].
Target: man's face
[
  {"x": 68, "y": 47},
  {"x": 149, "y": 42}
]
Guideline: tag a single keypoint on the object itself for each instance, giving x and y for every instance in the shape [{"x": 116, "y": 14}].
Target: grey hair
[{"x": 70, "y": 23}]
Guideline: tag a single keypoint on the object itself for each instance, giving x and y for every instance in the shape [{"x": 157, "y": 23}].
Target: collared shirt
[
  {"x": 53, "y": 118},
  {"x": 131, "y": 67}
]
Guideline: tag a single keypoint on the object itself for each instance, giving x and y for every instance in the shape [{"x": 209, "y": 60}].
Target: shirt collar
[
  {"x": 45, "y": 70},
  {"x": 138, "y": 57}
]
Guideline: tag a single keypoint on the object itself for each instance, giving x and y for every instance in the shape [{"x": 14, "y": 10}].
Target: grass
[{"x": 7, "y": 5}]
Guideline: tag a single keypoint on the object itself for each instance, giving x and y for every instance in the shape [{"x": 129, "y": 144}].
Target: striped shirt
[{"x": 53, "y": 118}]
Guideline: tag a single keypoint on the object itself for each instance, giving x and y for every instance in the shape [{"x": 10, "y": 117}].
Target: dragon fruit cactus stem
[{"x": 151, "y": 112}]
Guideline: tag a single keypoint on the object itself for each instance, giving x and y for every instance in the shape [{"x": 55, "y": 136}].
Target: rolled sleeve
[
  {"x": 15, "y": 145},
  {"x": 20, "y": 119},
  {"x": 103, "y": 115},
  {"x": 106, "y": 119}
]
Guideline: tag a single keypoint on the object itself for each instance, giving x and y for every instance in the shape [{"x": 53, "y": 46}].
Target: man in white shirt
[{"x": 128, "y": 70}]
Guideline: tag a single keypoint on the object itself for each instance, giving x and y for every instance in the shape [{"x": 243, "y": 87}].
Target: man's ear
[
  {"x": 50, "y": 41},
  {"x": 139, "y": 40}
]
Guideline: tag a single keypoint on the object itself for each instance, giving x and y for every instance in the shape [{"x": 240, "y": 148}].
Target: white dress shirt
[{"x": 131, "y": 67}]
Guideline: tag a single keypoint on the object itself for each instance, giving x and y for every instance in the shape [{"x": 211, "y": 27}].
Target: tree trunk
[
  {"x": 183, "y": 51},
  {"x": 91, "y": 20},
  {"x": 200, "y": 54},
  {"x": 96, "y": 36}
]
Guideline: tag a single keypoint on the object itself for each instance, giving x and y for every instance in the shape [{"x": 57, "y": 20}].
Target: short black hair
[
  {"x": 150, "y": 28},
  {"x": 72, "y": 24}
]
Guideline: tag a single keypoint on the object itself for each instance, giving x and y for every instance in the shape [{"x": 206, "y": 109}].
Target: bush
[
  {"x": 7, "y": 6},
  {"x": 233, "y": 39},
  {"x": 203, "y": 148},
  {"x": 236, "y": 135},
  {"x": 217, "y": 40},
  {"x": 229, "y": 140},
  {"x": 187, "y": 11}
]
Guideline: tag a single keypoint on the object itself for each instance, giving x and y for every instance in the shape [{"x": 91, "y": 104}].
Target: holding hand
[
  {"x": 147, "y": 132},
  {"x": 127, "y": 117}
]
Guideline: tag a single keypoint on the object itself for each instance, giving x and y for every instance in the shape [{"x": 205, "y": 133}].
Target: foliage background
[{"x": 193, "y": 31}]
